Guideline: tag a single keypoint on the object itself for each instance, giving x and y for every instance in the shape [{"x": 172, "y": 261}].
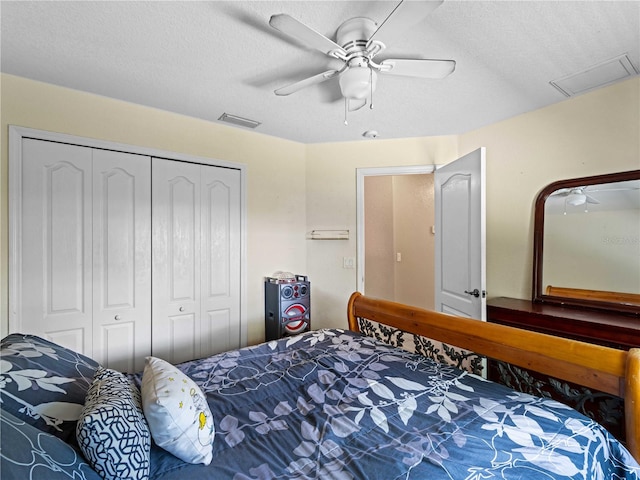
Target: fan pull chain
[
  {"x": 346, "y": 109},
  {"x": 371, "y": 86}
]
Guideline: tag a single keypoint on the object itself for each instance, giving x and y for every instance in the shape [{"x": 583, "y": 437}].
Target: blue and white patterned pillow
[
  {"x": 112, "y": 431},
  {"x": 44, "y": 384},
  {"x": 31, "y": 453}
]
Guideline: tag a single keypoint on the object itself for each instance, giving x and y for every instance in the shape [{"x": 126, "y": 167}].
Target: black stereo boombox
[{"x": 287, "y": 306}]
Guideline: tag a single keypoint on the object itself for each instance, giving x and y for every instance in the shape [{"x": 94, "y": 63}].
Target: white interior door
[
  {"x": 54, "y": 265},
  {"x": 121, "y": 259},
  {"x": 460, "y": 277},
  {"x": 196, "y": 260},
  {"x": 220, "y": 260},
  {"x": 176, "y": 260},
  {"x": 84, "y": 253}
]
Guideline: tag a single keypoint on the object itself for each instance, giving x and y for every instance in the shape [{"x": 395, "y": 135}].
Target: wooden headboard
[{"x": 606, "y": 369}]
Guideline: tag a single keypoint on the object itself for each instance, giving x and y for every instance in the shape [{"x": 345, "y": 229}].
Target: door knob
[{"x": 475, "y": 292}]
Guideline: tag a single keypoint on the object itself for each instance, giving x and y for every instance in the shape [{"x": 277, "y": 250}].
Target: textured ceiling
[{"x": 205, "y": 58}]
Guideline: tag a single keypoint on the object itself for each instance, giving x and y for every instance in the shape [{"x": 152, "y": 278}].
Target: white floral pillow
[{"x": 179, "y": 418}]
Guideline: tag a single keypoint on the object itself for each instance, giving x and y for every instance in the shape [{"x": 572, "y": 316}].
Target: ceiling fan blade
[
  {"x": 294, "y": 28},
  {"x": 407, "y": 14},
  {"x": 590, "y": 199},
  {"x": 307, "y": 82},
  {"x": 415, "y": 67}
]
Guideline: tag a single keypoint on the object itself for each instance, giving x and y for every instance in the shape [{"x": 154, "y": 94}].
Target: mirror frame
[{"x": 538, "y": 244}]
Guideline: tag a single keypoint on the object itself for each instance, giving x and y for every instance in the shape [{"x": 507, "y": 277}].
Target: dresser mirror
[{"x": 587, "y": 243}]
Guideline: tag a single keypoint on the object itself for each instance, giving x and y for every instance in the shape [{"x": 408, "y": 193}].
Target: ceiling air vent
[
  {"x": 242, "y": 122},
  {"x": 597, "y": 76}
]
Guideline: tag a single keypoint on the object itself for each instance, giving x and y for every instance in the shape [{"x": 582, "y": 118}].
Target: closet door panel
[
  {"x": 122, "y": 263},
  {"x": 117, "y": 348},
  {"x": 220, "y": 259},
  {"x": 184, "y": 339},
  {"x": 176, "y": 259},
  {"x": 183, "y": 248},
  {"x": 56, "y": 270},
  {"x": 217, "y": 238},
  {"x": 221, "y": 333}
]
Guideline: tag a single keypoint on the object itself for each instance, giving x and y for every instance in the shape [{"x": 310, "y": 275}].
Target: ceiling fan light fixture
[
  {"x": 576, "y": 198},
  {"x": 358, "y": 82}
]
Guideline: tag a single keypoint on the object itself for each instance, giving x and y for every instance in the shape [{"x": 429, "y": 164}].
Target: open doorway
[
  {"x": 459, "y": 249},
  {"x": 396, "y": 253}
]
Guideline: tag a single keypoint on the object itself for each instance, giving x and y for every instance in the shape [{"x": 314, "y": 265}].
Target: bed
[{"x": 338, "y": 404}]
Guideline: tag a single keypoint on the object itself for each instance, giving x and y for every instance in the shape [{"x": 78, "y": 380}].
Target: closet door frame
[{"x": 17, "y": 134}]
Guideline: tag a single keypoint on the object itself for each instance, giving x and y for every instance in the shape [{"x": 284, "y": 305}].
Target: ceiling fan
[
  {"x": 575, "y": 196},
  {"x": 357, "y": 41}
]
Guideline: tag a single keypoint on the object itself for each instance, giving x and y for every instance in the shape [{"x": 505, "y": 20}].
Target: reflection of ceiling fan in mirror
[
  {"x": 576, "y": 196},
  {"x": 595, "y": 194},
  {"x": 357, "y": 42}
]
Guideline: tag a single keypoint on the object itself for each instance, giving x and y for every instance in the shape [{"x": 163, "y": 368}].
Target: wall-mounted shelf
[{"x": 329, "y": 235}]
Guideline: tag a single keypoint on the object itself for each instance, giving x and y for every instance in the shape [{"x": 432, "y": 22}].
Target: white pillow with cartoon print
[{"x": 176, "y": 410}]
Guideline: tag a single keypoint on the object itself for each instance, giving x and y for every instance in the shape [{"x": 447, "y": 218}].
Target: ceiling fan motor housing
[{"x": 353, "y": 35}]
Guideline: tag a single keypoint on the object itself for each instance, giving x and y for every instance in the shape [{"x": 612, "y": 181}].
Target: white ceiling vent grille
[
  {"x": 242, "y": 122},
  {"x": 597, "y": 76}
]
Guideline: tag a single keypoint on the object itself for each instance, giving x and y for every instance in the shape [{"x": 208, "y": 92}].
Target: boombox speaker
[{"x": 287, "y": 306}]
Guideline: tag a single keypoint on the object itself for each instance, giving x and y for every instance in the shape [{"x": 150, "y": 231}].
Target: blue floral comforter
[{"x": 333, "y": 404}]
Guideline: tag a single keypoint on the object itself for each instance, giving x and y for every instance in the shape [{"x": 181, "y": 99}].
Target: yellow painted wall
[
  {"x": 275, "y": 171},
  {"x": 595, "y": 133}
]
